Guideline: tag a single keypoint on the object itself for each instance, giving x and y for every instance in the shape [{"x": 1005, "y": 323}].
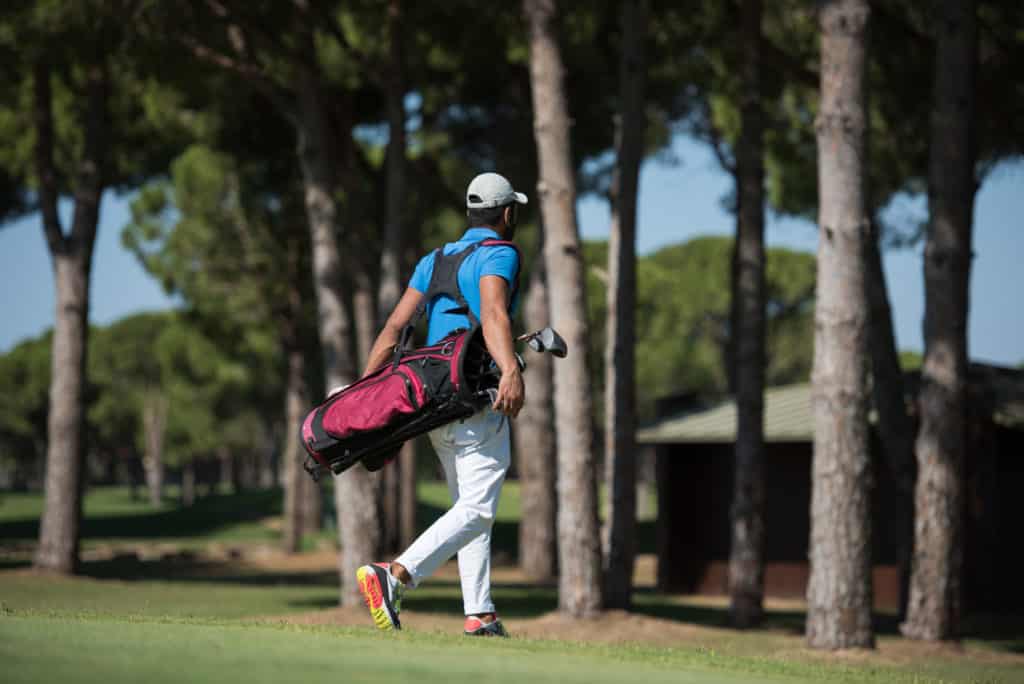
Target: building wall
[{"x": 695, "y": 493}]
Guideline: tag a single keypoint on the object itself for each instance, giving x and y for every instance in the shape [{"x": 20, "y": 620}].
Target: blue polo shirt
[{"x": 499, "y": 260}]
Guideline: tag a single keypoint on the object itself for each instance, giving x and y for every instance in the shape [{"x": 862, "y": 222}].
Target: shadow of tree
[{"x": 205, "y": 517}]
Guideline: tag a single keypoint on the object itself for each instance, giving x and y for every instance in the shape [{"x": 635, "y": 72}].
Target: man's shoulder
[{"x": 500, "y": 259}]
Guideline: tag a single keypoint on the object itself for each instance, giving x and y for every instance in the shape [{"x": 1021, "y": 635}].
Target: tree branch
[
  {"x": 43, "y": 116},
  {"x": 239, "y": 22},
  {"x": 91, "y": 173},
  {"x": 247, "y": 70},
  {"x": 330, "y": 24},
  {"x": 782, "y": 60},
  {"x": 714, "y": 138}
]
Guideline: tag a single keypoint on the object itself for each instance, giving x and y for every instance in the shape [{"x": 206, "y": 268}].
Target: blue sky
[{"x": 677, "y": 202}]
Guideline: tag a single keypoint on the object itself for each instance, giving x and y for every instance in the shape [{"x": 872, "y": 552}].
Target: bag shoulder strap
[{"x": 444, "y": 280}]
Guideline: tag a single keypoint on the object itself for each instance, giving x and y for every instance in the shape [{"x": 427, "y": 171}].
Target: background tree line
[{"x": 291, "y": 160}]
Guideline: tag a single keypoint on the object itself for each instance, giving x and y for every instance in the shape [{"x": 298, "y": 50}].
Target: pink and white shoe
[{"x": 484, "y": 625}]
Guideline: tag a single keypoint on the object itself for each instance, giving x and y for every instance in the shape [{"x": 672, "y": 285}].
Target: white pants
[{"x": 475, "y": 456}]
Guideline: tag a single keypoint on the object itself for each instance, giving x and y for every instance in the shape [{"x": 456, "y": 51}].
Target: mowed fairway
[
  {"x": 199, "y": 596},
  {"x": 37, "y": 649}
]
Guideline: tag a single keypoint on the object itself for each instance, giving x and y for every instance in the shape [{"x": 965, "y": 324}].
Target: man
[{"x": 474, "y": 452}]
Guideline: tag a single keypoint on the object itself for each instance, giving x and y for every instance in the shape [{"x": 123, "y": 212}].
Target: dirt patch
[
  {"x": 609, "y": 627},
  {"x": 613, "y": 627},
  {"x": 621, "y": 627}
]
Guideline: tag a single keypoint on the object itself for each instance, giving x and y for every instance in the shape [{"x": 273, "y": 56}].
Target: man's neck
[{"x": 500, "y": 232}]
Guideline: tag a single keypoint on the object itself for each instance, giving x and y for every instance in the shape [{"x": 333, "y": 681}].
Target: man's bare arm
[
  {"x": 384, "y": 345},
  {"x": 497, "y": 328}
]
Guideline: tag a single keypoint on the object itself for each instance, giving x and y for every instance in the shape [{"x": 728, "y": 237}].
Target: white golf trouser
[{"x": 475, "y": 455}]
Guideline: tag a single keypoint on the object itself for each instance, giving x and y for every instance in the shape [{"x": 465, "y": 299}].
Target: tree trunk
[
  {"x": 934, "y": 609},
  {"x": 407, "y": 494},
  {"x": 364, "y": 314},
  {"x": 646, "y": 502},
  {"x": 620, "y": 349},
  {"x": 154, "y": 421},
  {"x": 229, "y": 472},
  {"x": 579, "y": 582},
  {"x": 391, "y": 255},
  {"x": 746, "y": 554},
  {"x": 188, "y": 483},
  {"x": 839, "y": 588},
  {"x": 72, "y": 261},
  {"x": 535, "y": 447},
  {"x": 894, "y": 423},
  {"x": 269, "y": 455},
  {"x": 296, "y": 489},
  {"x": 59, "y": 530},
  {"x": 390, "y": 480},
  {"x": 353, "y": 491}
]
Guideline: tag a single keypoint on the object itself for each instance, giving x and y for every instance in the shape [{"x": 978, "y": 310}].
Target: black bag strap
[{"x": 444, "y": 280}]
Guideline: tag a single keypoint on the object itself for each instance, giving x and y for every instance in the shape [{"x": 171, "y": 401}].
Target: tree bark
[
  {"x": 839, "y": 589},
  {"x": 269, "y": 455},
  {"x": 407, "y": 494},
  {"x": 229, "y": 475},
  {"x": 391, "y": 256},
  {"x": 746, "y": 555},
  {"x": 535, "y": 447},
  {"x": 620, "y": 348},
  {"x": 579, "y": 582},
  {"x": 353, "y": 491},
  {"x": 934, "y": 609},
  {"x": 296, "y": 489},
  {"x": 154, "y": 421},
  {"x": 894, "y": 423},
  {"x": 72, "y": 262},
  {"x": 188, "y": 483}
]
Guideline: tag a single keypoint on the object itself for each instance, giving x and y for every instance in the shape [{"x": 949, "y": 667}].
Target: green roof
[{"x": 787, "y": 418}]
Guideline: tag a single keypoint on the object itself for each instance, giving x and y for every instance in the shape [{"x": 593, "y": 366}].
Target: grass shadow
[
  {"x": 204, "y": 518},
  {"x": 186, "y": 567}
]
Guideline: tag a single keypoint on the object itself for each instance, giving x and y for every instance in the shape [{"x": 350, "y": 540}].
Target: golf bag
[{"x": 419, "y": 390}]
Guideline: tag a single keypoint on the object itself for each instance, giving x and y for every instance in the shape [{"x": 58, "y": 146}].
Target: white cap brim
[{"x": 521, "y": 198}]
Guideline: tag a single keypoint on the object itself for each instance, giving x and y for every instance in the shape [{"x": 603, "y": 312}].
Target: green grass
[
  {"x": 93, "y": 624},
  {"x": 35, "y": 648},
  {"x": 187, "y": 617}
]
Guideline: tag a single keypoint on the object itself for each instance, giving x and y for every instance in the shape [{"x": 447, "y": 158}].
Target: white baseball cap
[{"x": 491, "y": 190}]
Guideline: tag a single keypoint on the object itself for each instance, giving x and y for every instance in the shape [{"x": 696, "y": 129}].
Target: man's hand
[{"x": 511, "y": 393}]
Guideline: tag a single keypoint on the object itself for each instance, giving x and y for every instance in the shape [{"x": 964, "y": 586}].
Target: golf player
[{"x": 474, "y": 452}]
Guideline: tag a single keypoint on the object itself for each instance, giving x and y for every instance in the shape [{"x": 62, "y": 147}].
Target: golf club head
[{"x": 551, "y": 341}]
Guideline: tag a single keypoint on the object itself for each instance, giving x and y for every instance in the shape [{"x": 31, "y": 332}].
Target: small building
[{"x": 694, "y": 447}]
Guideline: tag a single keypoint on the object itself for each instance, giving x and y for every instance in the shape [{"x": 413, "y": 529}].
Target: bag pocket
[{"x": 375, "y": 405}]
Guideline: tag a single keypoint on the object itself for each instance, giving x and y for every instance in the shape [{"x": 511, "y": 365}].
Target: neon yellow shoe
[{"x": 383, "y": 595}]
